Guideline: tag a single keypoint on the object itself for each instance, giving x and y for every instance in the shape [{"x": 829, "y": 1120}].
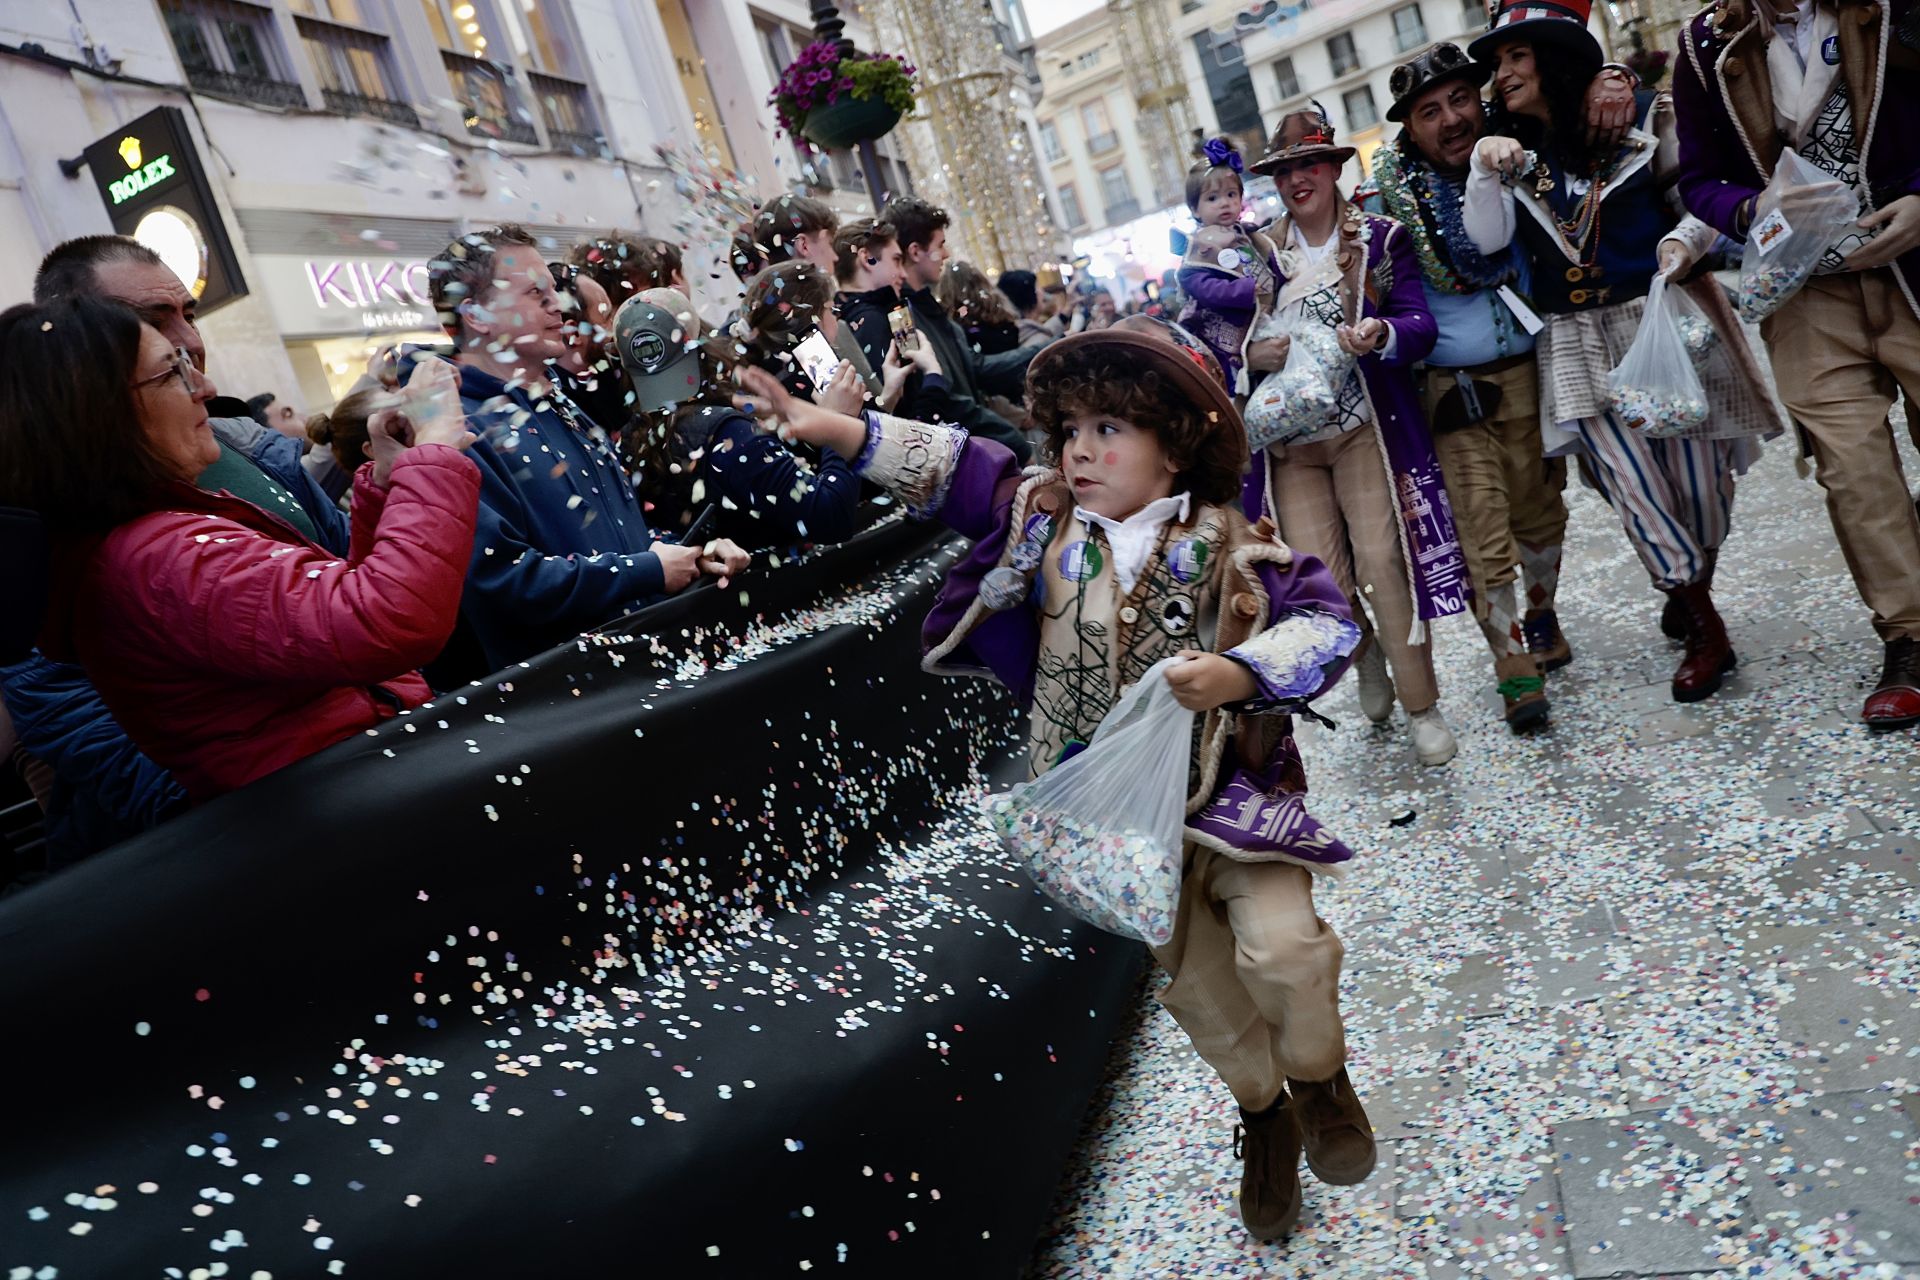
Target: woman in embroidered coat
[
  {"x": 1598, "y": 226},
  {"x": 1082, "y": 577},
  {"x": 1361, "y": 491}
]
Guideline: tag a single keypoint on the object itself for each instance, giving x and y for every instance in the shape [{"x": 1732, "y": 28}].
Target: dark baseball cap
[{"x": 659, "y": 348}]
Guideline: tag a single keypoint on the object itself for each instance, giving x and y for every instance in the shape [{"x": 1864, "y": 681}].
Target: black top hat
[
  {"x": 1435, "y": 65},
  {"x": 1557, "y": 22}
]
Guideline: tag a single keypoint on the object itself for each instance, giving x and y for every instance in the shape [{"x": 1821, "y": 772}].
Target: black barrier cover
[{"x": 627, "y": 962}]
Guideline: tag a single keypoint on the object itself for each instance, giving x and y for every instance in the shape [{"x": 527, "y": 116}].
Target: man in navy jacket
[{"x": 562, "y": 544}]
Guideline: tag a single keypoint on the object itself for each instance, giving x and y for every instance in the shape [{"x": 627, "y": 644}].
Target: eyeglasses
[{"x": 181, "y": 366}]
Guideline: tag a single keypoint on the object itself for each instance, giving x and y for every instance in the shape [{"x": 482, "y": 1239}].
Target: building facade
[
  {"x": 1243, "y": 67},
  {"x": 343, "y": 143}
]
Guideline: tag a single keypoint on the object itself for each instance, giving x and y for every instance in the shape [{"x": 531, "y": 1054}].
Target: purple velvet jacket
[
  {"x": 1393, "y": 291},
  {"x": 979, "y": 504},
  {"x": 1724, "y": 103}
]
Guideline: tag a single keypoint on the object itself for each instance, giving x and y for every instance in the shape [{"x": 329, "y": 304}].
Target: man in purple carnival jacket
[{"x": 1833, "y": 79}]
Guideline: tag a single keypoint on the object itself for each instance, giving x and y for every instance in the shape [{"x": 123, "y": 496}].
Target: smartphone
[
  {"x": 901, "y": 321},
  {"x": 696, "y": 533},
  {"x": 817, "y": 358}
]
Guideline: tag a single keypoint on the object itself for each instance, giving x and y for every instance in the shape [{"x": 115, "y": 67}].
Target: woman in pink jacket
[{"x": 225, "y": 643}]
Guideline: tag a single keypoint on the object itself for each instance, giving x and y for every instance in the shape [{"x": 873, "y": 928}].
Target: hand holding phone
[
  {"x": 900, "y": 320},
  {"x": 818, "y": 360}
]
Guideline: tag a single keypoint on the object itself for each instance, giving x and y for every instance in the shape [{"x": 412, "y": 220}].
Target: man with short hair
[
  {"x": 1023, "y": 291},
  {"x": 561, "y": 544},
  {"x": 257, "y": 464},
  {"x": 922, "y": 232},
  {"x": 793, "y": 227},
  {"x": 1481, "y": 383}
]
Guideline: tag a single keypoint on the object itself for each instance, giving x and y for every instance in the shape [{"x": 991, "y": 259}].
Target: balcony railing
[
  {"x": 568, "y": 111},
  {"x": 1414, "y": 37},
  {"x": 227, "y": 48},
  {"x": 259, "y": 89},
  {"x": 487, "y": 99},
  {"x": 1101, "y": 143},
  {"x": 355, "y": 76},
  {"x": 1124, "y": 211}
]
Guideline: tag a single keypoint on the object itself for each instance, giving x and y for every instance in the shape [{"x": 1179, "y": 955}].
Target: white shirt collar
[{"x": 1132, "y": 540}]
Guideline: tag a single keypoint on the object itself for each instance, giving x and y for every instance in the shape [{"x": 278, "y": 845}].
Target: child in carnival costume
[
  {"x": 1227, "y": 270},
  {"x": 1130, "y": 547}
]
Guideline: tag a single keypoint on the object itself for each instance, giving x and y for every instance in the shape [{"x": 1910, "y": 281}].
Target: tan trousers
[
  {"x": 1841, "y": 347},
  {"x": 1503, "y": 492},
  {"x": 1333, "y": 501},
  {"x": 1256, "y": 975}
]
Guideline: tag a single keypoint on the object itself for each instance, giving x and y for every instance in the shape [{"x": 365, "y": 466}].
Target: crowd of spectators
[{"x": 233, "y": 586}]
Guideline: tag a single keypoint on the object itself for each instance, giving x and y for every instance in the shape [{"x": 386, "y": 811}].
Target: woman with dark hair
[
  {"x": 981, "y": 310},
  {"x": 587, "y": 372},
  {"x": 225, "y": 643},
  {"x": 1599, "y": 224}
]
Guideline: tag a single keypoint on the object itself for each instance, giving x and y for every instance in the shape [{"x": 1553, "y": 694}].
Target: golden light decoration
[{"x": 982, "y": 172}]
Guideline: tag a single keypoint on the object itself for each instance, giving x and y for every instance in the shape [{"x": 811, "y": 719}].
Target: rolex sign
[{"x": 149, "y": 176}]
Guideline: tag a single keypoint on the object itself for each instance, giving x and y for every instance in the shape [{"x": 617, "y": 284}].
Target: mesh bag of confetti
[
  {"x": 1803, "y": 213},
  {"x": 1304, "y": 396},
  {"x": 1655, "y": 389},
  {"x": 1100, "y": 832}
]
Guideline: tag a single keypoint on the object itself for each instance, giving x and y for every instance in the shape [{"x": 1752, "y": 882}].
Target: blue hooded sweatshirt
[{"x": 561, "y": 545}]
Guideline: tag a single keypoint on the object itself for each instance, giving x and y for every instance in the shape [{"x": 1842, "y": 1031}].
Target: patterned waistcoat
[{"x": 1097, "y": 641}]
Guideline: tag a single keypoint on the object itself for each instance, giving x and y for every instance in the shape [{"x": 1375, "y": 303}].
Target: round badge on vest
[
  {"x": 1080, "y": 562},
  {"x": 1176, "y": 616},
  {"x": 1830, "y": 51},
  {"x": 1187, "y": 560}
]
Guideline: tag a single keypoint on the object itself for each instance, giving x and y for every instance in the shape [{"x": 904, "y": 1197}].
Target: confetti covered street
[{"x": 1637, "y": 997}]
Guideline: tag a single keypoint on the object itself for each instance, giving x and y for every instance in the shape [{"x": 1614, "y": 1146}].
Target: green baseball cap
[{"x": 660, "y": 351}]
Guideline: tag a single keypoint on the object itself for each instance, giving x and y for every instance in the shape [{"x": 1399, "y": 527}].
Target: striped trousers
[{"x": 1674, "y": 497}]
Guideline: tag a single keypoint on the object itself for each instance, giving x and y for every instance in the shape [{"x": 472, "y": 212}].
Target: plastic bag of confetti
[
  {"x": 1304, "y": 396},
  {"x": 1655, "y": 388},
  {"x": 1100, "y": 833},
  {"x": 1801, "y": 215}
]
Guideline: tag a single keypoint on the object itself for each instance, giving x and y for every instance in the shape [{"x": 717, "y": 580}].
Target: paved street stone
[{"x": 1636, "y": 996}]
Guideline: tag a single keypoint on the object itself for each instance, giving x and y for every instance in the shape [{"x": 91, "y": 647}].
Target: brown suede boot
[
  {"x": 1269, "y": 1145},
  {"x": 1334, "y": 1129},
  {"x": 1524, "y": 689}
]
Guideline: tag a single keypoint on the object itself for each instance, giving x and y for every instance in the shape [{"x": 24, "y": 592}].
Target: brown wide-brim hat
[
  {"x": 1302, "y": 135},
  {"x": 1193, "y": 374}
]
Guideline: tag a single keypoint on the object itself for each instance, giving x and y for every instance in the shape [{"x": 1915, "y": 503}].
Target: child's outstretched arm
[{"x": 967, "y": 482}]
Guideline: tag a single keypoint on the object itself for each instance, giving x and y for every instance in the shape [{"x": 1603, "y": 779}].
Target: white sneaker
[
  {"x": 1376, "y": 686},
  {"x": 1432, "y": 741}
]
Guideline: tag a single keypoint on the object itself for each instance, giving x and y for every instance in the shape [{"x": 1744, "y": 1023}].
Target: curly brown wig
[{"x": 1212, "y": 456}]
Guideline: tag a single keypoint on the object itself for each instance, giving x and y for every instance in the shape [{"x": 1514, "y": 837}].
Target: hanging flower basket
[
  {"x": 835, "y": 100},
  {"x": 849, "y": 121}
]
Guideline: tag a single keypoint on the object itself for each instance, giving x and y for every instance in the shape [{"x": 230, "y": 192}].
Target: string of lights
[{"x": 973, "y": 158}]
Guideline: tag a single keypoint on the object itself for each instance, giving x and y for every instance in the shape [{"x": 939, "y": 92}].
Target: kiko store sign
[{"x": 313, "y": 297}]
